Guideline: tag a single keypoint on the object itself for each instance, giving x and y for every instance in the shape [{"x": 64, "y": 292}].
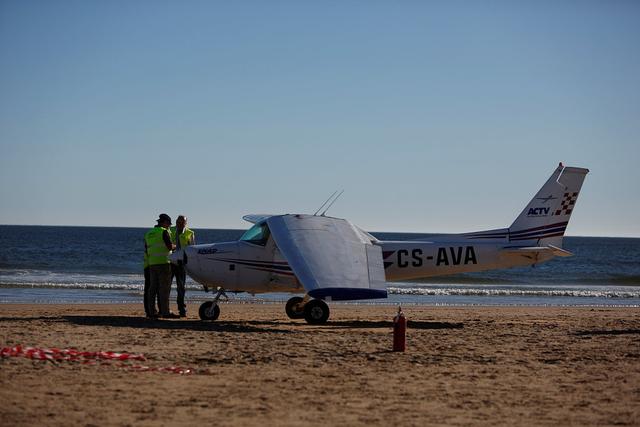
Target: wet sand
[{"x": 463, "y": 366}]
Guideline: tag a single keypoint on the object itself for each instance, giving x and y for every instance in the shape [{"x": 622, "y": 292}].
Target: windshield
[{"x": 258, "y": 234}]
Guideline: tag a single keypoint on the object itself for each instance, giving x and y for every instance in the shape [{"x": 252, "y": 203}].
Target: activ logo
[{"x": 538, "y": 212}]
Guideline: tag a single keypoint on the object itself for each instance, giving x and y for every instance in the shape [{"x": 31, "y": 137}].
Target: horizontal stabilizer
[
  {"x": 560, "y": 252},
  {"x": 536, "y": 250}
]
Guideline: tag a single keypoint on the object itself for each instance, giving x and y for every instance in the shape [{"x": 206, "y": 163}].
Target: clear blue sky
[{"x": 433, "y": 116}]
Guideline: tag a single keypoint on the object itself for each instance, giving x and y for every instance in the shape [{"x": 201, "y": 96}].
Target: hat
[{"x": 164, "y": 217}]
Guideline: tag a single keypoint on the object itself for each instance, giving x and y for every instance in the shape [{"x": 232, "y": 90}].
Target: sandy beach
[{"x": 463, "y": 366}]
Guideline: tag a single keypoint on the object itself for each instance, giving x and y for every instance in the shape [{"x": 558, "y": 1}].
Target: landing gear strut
[{"x": 209, "y": 310}]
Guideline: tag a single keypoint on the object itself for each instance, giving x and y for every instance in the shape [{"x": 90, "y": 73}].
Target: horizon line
[{"x": 244, "y": 229}]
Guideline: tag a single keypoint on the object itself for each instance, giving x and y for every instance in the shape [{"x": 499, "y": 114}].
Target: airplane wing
[
  {"x": 535, "y": 250},
  {"x": 331, "y": 257},
  {"x": 256, "y": 218}
]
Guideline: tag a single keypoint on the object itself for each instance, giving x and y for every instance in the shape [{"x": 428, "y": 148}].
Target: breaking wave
[{"x": 516, "y": 292}]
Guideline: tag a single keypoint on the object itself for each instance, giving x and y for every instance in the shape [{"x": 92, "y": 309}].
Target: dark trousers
[
  {"x": 149, "y": 300},
  {"x": 181, "y": 277},
  {"x": 160, "y": 279}
]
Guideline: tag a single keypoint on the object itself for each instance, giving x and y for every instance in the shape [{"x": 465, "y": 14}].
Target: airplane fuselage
[
  {"x": 408, "y": 260},
  {"x": 241, "y": 267},
  {"x": 246, "y": 267}
]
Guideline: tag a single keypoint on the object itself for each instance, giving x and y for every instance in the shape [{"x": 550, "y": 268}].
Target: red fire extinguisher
[{"x": 399, "y": 331}]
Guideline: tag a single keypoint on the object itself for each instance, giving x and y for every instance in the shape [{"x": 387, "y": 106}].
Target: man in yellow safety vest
[
  {"x": 158, "y": 246},
  {"x": 181, "y": 237}
]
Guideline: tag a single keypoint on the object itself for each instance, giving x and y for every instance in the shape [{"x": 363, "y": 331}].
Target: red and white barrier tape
[
  {"x": 88, "y": 358},
  {"x": 69, "y": 355}
]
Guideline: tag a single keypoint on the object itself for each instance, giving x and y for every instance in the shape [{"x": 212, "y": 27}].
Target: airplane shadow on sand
[
  {"x": 411, "y": 324},
  {"x": 246, "y": 326},
  {"x": 187, "y": 325}
]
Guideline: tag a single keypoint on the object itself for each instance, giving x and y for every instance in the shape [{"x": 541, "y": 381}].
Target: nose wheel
[{"x": 209, "y": 310}]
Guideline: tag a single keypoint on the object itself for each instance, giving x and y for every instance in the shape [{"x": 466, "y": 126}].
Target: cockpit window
[{"x": 258, "y": 234}]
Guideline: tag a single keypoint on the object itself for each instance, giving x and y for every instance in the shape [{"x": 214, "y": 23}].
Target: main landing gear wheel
[
  {"x": 209, "y": 311},
  {"x": 316, "y": 312},
  {"x": 295, "y": 308}
]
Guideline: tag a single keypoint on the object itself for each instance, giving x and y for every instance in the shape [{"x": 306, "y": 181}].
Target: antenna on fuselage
[
  {"x": 325, "y": 202},
  {"x": 331, "y": 204}
]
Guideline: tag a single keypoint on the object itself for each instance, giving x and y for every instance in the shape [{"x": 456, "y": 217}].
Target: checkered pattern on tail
[{"x": 567, "y": 204}]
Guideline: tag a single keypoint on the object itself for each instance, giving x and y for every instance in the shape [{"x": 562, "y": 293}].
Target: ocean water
[{"x": 104, "y": 264}]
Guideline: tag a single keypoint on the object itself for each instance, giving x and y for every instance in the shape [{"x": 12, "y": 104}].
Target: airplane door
[{"x": 254, "y": 270}]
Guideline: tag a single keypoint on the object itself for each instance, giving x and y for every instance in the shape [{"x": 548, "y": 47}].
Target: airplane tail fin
[{"x": 545, "y": 218}]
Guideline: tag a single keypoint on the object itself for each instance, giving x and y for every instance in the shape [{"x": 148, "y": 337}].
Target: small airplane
[{"x": 331, "y": 259}]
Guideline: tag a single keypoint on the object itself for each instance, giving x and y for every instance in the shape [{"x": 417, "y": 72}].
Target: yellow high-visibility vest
[
  {"x": 186, "y": 237},
  {"x": 157, "y": 252}
]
